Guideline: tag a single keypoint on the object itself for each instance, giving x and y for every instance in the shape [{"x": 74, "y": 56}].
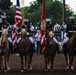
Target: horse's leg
[
  {"x": 72, "y": 62},
  {"x": 46, "y": 58},
  {"x": 71, "y": 57},
  {"x": 5, "y": 58},
  {"x": 0, "y": 62},
  {"x": 67, "y": 61},
  {"x": 52, "y": 61},
  {"x": 29, "y": 62},
  {"x": 22, "y": 67},
  {"x": 25, "y": 62},
  {"x": 8, "y": 61},
  {"x": 48, "y": 65}
]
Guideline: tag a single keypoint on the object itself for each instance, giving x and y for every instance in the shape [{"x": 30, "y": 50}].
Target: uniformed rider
[
  {"x": 71, "y": 28},
  {"x": 29, "y": 36}
]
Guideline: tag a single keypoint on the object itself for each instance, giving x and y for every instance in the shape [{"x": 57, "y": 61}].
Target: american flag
[{"x": 17, "y": 22}]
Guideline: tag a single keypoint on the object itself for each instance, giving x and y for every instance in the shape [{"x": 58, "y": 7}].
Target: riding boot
[
  {"x": 57, "y": 47},
  {"x": 33, "y": 46}
]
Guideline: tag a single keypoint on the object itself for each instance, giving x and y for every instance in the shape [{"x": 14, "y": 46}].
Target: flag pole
[
  {"x": 17, "y": 22},
  {"x": 43, "y": 26},
  {"x": 22, "y": 10}
]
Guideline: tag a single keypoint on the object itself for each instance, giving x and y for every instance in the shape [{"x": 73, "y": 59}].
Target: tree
[
  {"x": 53, "y": 11},
  {"x": 5, "y": 5}
]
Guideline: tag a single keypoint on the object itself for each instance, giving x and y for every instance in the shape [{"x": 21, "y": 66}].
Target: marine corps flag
[{"x": 43, "y": 27}]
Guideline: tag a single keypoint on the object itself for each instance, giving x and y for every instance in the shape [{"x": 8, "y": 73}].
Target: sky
[{"x": 71, "y": 3}]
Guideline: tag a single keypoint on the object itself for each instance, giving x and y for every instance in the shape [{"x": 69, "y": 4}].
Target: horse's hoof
[
  {"x": 67, "y": 68},
  {"x": 46, "y": 70},
  {"x": 25, "y": 68},
  {"x": 72, "y": 68},
  {"x": 8, "y": 68},
  {"x": 52, "y": 70},
  {"x": 48, "y": 67},
  {"x": 22, "y": 71},
  {"x": 5, "y": 70},
  {"x": 29, "y": 69}
]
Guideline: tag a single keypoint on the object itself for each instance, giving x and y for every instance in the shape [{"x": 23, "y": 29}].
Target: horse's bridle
[
  {"x": 24, "y": 42},
  {"x": 50, "y": 43}
]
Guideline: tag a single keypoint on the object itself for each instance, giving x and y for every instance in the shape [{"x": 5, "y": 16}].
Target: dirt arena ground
[{"x": 38, "y": 66}]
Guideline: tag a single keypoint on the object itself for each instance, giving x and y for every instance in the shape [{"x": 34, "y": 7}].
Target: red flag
[
  {"x": 43, "y": 27},
  {"x": 17, "y": 22}
]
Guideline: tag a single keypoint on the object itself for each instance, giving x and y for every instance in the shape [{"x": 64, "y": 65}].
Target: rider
[
  {"x": 71, "y": 28},
  {"x": 50, "y": 28},
  {"x": 56, "y": 29},
  {"x": 38, "y": 27},
  {"x": 5, "y": 25},
  {"x": 29, "y": 36}
]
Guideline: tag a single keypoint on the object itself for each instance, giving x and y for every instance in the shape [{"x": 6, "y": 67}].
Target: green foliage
[
  {"x": 6, "y": 5},
  {"x": 53, "y": 11}
]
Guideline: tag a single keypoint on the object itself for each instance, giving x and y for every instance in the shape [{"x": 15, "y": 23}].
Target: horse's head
[
  {"x": 23, "y": 32},
  {"x": 24, "y": 35},
  {"x": 50, "y": 38},
  {"x": 51, "y": 35},
  {"x": 4, "y": 35}
]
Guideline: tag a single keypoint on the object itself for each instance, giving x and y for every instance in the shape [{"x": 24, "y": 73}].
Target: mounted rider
[
  {"x": 50, "y": 27},
  {"x": 28, "y": 28},
  {"x": 56, "y": 30},
  {"x": 71, "y": 28}
]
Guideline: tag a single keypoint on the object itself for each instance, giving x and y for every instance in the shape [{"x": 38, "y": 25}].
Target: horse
[
  {"x": 50, "y": 51},
  {"x": 4, "y": 50},
  {"x": 25, "y": 49},
  {"x": 70, "y": 51}
]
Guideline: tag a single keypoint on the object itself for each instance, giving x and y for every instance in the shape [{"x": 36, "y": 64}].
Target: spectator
[
  {"x": 38, "y": 38},
  {"x": 57, "y": 27},
  {"x": 64, "y": 25},
  {"x": 31, "y": 27}
]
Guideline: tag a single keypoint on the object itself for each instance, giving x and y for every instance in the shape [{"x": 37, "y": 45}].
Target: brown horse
[
  {"x": 70, "y": 51},
  {"x": 50, "y": 51},
  {"x": 4, "y": 49},
  {"x": 25, "y": 49}
]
